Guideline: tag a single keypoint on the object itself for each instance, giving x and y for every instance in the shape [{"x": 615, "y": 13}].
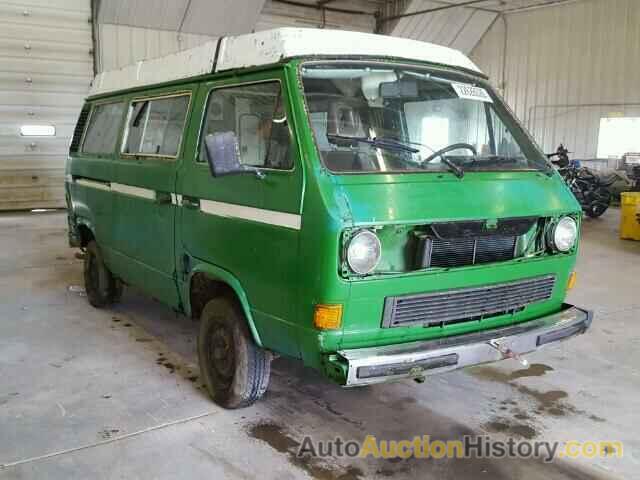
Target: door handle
[
  {"x": 190, "y": 202},
  {"x": 163, "y": 198}
]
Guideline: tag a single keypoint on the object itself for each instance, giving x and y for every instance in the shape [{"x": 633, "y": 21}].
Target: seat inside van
[{"x": 343, "y": 119}]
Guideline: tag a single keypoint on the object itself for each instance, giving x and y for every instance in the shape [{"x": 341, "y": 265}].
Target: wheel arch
[
  {"x": 208, "y": 281},
  {"x": 85, "y": 231}
]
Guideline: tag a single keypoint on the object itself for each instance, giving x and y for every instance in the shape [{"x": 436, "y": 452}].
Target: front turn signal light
[
  {"x": 572, "y": 280},
  {"x": 327, "y": 317}
]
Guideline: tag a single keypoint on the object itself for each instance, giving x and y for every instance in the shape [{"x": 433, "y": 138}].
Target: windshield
[{"x": 378, "y": 118}]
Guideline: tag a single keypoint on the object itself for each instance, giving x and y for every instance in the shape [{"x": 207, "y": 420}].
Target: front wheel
[{"x": 234, "y": 369}]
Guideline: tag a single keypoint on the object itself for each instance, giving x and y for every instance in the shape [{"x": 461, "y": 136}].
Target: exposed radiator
[{"x": 457, "y": 252}]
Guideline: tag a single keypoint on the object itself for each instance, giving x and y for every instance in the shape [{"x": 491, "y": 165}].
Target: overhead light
[{"x": 37, "y": 130}]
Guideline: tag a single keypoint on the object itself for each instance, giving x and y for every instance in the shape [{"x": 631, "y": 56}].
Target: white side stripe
[
  {"x": 287, "y": 220},
  {"x": 118, "y": 188},
  {"x": 133, "y": 191},
  {"x": 92, "y": 184},
  {"x": 221, "y": 209}
]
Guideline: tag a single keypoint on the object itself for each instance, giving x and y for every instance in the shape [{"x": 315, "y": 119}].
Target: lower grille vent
[{"x": 465, "y": 304}]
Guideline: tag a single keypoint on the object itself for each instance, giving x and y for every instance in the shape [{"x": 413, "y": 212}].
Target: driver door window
[{"x": 255, "y": 114}]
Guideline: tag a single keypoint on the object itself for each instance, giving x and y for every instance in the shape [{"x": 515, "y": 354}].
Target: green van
[{"x": 366, "y": 204}]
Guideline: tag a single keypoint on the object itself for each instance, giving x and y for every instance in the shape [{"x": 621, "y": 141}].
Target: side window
[
  {"x": 155, "y": 126},
  {"x": 256, "y": 115},
  {"x": 103, "y": 129}
]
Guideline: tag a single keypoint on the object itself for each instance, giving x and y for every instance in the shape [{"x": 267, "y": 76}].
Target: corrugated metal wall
[
  {"x": 46, "y": 63},
  {"x": 566, "y": 67},
  {"x": 460, "y": 28}
]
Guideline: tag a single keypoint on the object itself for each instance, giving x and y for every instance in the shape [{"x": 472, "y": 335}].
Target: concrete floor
[{"x": 86, "y": 393}]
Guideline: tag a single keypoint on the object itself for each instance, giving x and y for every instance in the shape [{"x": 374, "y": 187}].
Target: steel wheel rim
[{"x": 222, "y": 353}]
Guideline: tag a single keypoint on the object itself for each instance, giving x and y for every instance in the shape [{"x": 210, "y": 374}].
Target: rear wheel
[
  {"x": 234, "y": 369},
  {"x": 101, "y": 286}
]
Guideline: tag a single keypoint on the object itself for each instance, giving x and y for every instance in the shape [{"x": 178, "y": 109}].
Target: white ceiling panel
[
  {"x": 204, "y": 17},
  {"x": 277, "y": 14},
  {"x": 156, "y": 14},
  {"x": 222, "y": 17},
  {"x": 459, "y": 27},
  {"x": 474, "y": 28}
]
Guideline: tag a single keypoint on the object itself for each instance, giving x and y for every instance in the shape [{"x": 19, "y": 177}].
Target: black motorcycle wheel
[
  {"x": 603, "y": 195},
  {"x": 596, "y": 209}
]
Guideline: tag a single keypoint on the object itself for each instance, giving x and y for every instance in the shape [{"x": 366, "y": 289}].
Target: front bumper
[{"x": 417, "y": 359}]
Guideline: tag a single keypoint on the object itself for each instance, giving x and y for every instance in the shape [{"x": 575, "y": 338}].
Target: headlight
[
  {"x": 363, "y": 253},
  {"x": 564, "y": 234}
]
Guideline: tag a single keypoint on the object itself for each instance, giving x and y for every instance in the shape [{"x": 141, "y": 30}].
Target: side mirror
[{"x": 223, "y": 155}]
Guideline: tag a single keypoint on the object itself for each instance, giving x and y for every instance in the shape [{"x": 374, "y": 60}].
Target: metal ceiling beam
[
  {"x": 184, "y": 15},
  {"x": 95, "y": 38},
  {"x": 470, "y": 7},
  {"x": 316, "y": 6},
  {"x": 432, "y": 10},
  {"x": 533, "y": 6}
]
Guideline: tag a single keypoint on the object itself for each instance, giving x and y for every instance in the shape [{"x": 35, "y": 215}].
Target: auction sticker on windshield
[{"x": 471, "y": 92}]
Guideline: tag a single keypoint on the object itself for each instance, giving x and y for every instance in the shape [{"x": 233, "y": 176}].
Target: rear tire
[
  {"x": 102, "y": 288},
  {"x": 234, "y": 369}
]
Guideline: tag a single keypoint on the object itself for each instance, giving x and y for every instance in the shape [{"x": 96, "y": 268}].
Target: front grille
[
  {"x": 458, "y": 252},
  {"x": 465, "y": 304}
]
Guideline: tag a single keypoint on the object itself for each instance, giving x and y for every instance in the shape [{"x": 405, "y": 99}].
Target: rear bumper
[{"x": 417, "y": 359}]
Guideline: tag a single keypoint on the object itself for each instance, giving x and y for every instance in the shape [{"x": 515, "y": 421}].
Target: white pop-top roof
[{"x": 269, "y": 47}]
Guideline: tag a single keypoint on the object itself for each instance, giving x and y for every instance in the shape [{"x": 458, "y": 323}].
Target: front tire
[
  {"x": 101, "y": 286},
  {"x": 234, "y": 369}
]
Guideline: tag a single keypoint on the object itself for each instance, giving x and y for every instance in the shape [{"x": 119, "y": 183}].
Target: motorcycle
[
  {"x": 635, "y": 179},
  {"x": 589, "y": 189}
]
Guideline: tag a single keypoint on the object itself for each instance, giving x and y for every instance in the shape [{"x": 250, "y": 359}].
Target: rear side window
[
  {"x": 103, "y": 129},
  {"x": 155, "y": 126},
  {"x": 256, "y": 115}
]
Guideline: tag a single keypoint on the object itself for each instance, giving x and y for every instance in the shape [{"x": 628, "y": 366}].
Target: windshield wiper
[
  {"x": 457, "y": 171},
  {"x": 384, "y": 143},
  {"x": 504, "y": 159}
]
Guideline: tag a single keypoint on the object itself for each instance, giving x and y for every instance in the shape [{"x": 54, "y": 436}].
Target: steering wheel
[{"x": 450, "y": 148}]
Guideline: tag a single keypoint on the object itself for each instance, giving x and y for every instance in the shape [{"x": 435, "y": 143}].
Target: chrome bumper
[{"x": 418, "y": 359}]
